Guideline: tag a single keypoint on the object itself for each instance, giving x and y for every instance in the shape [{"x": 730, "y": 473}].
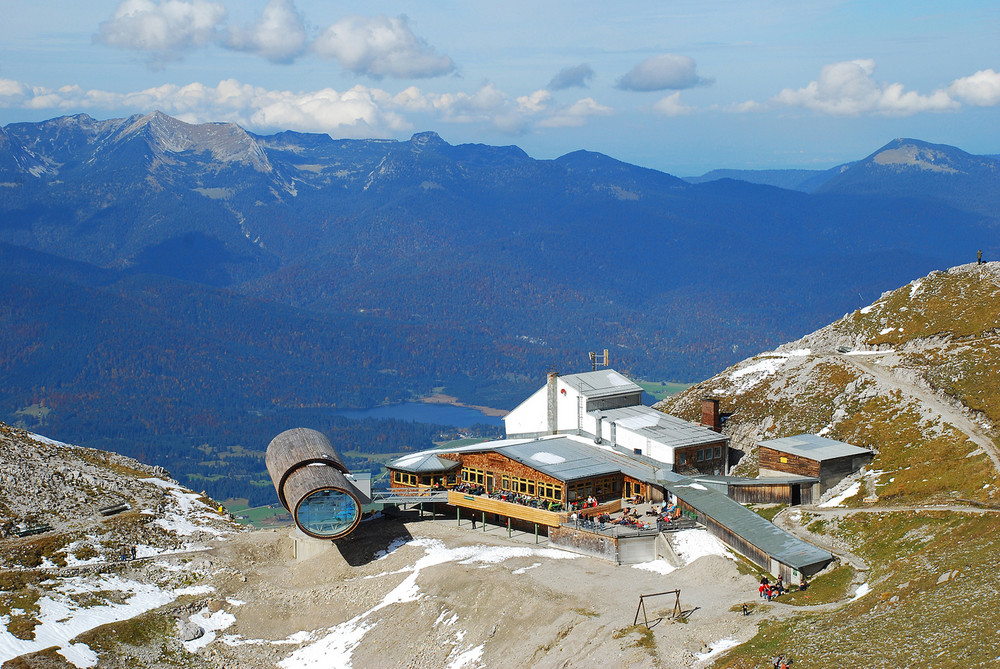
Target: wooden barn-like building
[{"x": 826, "y": 460}]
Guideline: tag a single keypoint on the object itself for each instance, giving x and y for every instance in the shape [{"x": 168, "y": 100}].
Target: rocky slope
[
  {"x": 912, "y": 376},
  {"x": 66, "y": 569}
]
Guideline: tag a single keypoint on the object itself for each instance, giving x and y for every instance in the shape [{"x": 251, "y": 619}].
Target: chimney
[
  {"x": 710, "y": 416},
  {"x": 553, "y": 403},
  {"x": 598, "y": 431}
]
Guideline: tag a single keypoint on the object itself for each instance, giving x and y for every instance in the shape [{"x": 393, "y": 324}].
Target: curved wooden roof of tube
[{"x": 308, "y": 474}]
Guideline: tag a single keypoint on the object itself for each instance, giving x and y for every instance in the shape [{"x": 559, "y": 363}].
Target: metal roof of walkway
[
  {"x": 408, "y": 496},
  {"x": 744, "y": 523}
]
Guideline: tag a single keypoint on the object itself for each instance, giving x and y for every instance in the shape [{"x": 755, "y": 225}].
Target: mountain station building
[{"x": 587, "y": 437}]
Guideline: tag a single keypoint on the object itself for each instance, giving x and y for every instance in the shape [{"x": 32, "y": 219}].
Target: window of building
[
  {"x": 681, "y": 458},
  {"x": 472, "y": 475},
  {"x": 718, "y": 451},
  {"x": 404, "y": 479}
]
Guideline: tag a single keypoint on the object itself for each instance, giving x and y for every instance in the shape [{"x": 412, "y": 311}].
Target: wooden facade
[
  {"x": 829, "y": 471},
  {"x": 778, "y": 461},
  {"x": 495, "y": 471},
  {"x": 792, "y": 494},
  {"x": 705, "y": 458},
  {"x": 298, "y": 447}
]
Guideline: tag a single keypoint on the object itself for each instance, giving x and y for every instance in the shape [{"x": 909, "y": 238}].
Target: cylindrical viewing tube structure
[{"x": 309, "y": 477}]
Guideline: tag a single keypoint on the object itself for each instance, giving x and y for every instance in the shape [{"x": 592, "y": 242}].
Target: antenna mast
[{"x": 598, "y": 359}]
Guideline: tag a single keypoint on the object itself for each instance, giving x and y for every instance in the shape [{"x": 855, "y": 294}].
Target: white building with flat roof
[{"x": 607, "y": 407}]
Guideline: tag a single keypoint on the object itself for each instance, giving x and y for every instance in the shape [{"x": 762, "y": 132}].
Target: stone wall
[{"x": 587, "y": 543}]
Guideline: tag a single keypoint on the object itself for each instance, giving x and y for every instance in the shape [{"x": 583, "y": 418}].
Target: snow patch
[
  {"x": 211, "y": 624},
  {"x": 767, "y": 365},
  {"x": 689, "y": 545},
  {"x": 524, "y": 569},
  {"x": 847, "y": 494},
  {"x": 655, "y": 566},
  {"x": 862, "y": 590},
  {"x": 717, "y": 648},
  {"x": 467, "y": 658},
  {"x": 546, "y": 458},
  {"x": 61, "y": 619},
  {"x": 393, "y": 546},
  {"x": 50, "y": 442}
]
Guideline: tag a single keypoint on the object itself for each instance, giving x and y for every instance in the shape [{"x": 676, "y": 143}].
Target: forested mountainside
[
  {"x": 165, "y": 286},
  {"x": 913, "y": 377}
]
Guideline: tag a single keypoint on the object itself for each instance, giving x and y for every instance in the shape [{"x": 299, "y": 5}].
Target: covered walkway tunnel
[{"x": 311, "y": 481}]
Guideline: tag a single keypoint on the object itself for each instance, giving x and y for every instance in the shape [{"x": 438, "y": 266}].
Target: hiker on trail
[
  {"x": 979, "y": 257},
  {"x": 473, "y": 522}
]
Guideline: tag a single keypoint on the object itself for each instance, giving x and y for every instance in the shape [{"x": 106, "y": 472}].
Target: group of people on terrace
[
  {"x": 510, "y": 496},
  {"x": 526, "y": 500}
]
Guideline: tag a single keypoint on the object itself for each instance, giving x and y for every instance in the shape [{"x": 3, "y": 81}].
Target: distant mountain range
[
  {"x": 904, "y": 168},
  {"x": 167, "y": 282}
]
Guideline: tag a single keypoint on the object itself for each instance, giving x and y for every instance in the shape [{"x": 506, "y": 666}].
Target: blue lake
[{"x": 422, "y": 412}]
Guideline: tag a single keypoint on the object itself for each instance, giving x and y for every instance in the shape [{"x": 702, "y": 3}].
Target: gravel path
[{"x": 887, "y": 377}]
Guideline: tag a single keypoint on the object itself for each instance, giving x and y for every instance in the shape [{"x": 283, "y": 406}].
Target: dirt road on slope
[{"x": 888, "y": 378}]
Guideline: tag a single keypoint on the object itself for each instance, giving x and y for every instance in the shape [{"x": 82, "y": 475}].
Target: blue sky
[{"x": 680, "y": 86}]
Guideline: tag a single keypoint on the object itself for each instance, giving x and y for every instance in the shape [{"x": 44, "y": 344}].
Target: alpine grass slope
[{"x": 912, "y": 376}]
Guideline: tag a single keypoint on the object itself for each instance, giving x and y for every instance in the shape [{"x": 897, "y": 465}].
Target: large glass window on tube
[{"x": 327, "y": 513}]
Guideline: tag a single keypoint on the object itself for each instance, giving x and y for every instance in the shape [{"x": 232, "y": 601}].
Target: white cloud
[
  {"x": 465, "y": 108},
  {"x": 981, "y": 89},
  {"x": 279, "y": 35},
  {"x": 569, "y": 77},
  {"x": 379, "y": 47},
  {"x": 667, "y": 71},
  {"x": 672, "y": 106},
  {"x": 848, "y": 89},
  {"x": 354, "y": 113},
  {"x": 744, "y": 107},
  {"x": 13, "y": 93},
  {"x": 163, "y": 28},
  {"x": 358, "y": 112},
  {"x": 575, "y": 115},
  {"x": 534, "y": 103}
]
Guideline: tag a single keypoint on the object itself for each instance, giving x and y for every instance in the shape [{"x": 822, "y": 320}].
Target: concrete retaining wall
[{"x": 586, "y": 543}]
